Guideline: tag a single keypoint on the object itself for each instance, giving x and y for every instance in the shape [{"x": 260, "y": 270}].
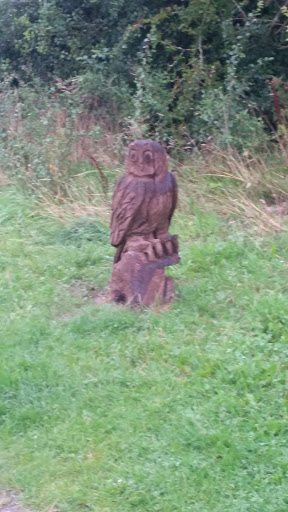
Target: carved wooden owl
[{"x": 144, "y": 198}]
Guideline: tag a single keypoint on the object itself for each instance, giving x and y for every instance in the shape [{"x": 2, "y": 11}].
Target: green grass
[{"x": 110, "y": 410}]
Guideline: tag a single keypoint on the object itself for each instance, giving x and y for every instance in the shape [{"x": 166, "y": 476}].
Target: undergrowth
[{"x": 57, "y": 149}]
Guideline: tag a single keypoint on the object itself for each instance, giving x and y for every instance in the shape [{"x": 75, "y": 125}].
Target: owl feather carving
[{"x": 144, "y": 199}]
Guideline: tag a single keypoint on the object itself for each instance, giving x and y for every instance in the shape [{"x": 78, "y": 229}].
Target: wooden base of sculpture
[{"x": 136, "y": 280}]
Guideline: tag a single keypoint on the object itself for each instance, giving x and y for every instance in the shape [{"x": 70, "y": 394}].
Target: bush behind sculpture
[{"x": 154, "y": 64}]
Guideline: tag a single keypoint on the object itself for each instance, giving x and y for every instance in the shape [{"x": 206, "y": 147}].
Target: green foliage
[
  {"x": 42, "y": 132},
  {"x": 154, "y": 63},
  {"x": 221, "y": 118}
]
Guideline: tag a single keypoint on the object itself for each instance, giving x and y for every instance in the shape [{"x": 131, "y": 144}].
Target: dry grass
[
  {"x": 231, "y": 185},
  {"x": 75, "y": 200},
  {"x": 238, "y": 186},
  {"x": 252, "y": 188}
]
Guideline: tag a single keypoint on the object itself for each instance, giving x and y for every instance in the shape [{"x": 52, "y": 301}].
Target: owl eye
[
  {"x": 133, "y": 155},
  {"x": 148, "y": 157}
]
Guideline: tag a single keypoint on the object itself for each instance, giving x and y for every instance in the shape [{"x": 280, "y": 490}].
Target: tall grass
[{"x": 70, "y": 159}]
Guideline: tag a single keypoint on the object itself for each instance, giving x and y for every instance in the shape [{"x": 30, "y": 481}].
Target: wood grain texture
[{"x": 143, "y": 204}]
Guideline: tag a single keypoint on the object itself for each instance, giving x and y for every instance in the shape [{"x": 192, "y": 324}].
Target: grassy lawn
[{"x": 110, "y": 410}]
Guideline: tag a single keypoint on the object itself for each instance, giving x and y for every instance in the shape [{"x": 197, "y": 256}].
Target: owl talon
[
  {"x": 158, "y": 248},
  {"x": 174, "y": 240},
  {"x": 169, "y": 248},
  {"x": 149, "y": 252},
  {"x": 169, "y": 244}
]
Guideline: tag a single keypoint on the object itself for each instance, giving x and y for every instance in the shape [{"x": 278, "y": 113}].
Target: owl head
[{"x": 146, "y": 158}]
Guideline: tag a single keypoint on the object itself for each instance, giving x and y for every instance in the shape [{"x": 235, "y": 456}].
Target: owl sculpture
[{"x": 143, "y": 204}]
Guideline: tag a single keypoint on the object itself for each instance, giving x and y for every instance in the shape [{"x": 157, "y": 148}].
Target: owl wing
[
  {"x": 127, "y": 200},
  {"x": 174, "y": 192}
]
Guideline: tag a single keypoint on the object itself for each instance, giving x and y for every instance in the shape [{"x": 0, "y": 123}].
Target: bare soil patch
[
  {"x": 88, "y": 291},
  {"x": 9, "y": 502}
]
